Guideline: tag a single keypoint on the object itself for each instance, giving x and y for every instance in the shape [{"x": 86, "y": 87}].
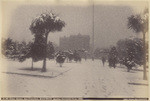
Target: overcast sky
[{"x": 110, "y": 20}]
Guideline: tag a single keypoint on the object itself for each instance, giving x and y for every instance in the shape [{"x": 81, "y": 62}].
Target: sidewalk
[{"x": 24, "y": 69}]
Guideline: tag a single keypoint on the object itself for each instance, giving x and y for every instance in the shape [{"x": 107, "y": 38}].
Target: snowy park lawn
[
  {"x": 24, "y": 69},
  {"x": 86, "y": 79}
]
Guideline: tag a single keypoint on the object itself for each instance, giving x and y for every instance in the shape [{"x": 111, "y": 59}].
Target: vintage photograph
[{"x": 74, "y": 49}]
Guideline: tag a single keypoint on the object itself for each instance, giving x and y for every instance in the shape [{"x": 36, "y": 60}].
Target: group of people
[
  {"x": 112, "y": 61},
  {"x": 112, "y": 58},
  {"x": 69, "y": 56}
]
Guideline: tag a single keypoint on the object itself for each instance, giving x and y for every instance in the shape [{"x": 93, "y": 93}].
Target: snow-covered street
[{"x": 86, "y": 79}]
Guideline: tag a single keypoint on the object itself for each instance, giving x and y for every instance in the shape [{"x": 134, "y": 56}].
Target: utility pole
[{"x": 93, "y": 32}]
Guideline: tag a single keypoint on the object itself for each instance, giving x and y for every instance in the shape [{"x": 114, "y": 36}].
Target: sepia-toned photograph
[{"x": 65, "y": 49}]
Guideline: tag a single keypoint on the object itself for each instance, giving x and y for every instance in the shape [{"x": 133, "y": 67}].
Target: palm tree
[
  {"x": 43, "y": 25},
  {"x": 139, "y": 23}
]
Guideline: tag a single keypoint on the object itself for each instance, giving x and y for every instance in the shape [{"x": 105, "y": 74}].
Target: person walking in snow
[
  {"x": 103, "y": 60},
  {"x": 112, "y": 57}
]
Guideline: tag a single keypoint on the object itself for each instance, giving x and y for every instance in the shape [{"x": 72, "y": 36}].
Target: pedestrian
[
  {"x": 112, "y": 59},
  {"x": 103, "y": 60}
]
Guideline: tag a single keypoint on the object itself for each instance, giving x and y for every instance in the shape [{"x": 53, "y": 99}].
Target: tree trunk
[
  {"x": 32, "y": 64},
  {"x": 45, "y": 54},
  {"x": 44, "y": 65},
  {"x": 144, "y": 58}
]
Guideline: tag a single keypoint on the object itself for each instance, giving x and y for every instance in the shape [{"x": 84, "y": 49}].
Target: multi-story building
[{"x": 75, "y": 42}]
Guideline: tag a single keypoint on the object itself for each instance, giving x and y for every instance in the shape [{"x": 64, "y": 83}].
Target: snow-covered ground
[{"x": 86, "y": 79}]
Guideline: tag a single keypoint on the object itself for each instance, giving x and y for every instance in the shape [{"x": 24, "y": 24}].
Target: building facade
[{"x": 75, "y": 42}]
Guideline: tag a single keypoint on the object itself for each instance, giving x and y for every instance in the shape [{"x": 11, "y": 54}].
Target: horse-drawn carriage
[{"x": 69, "y": 56}]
